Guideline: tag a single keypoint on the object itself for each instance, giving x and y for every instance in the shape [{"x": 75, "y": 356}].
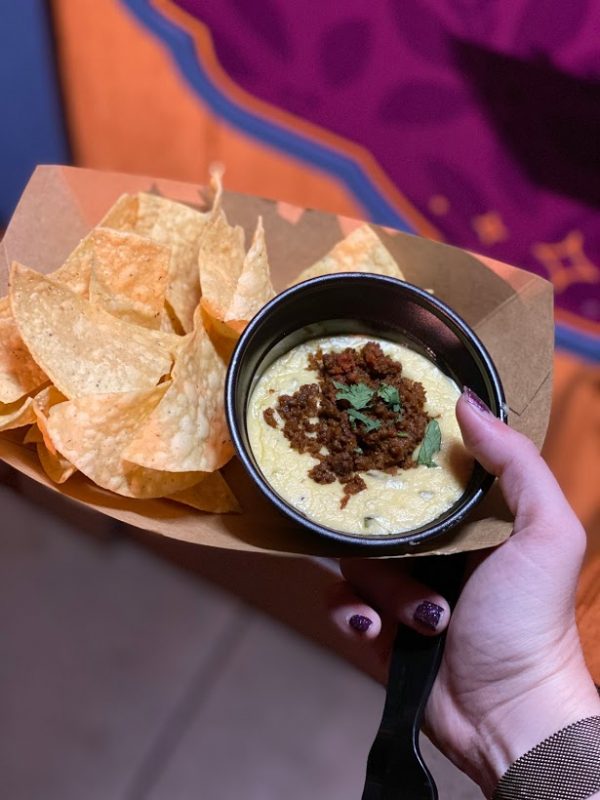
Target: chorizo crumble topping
[{"x": 360, "y": 415}]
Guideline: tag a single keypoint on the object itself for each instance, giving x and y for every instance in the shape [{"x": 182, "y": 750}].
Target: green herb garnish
[
  {"x": 369, "y": 423},
  {"x": 357, "y": 394},
  {"x": 432, "y": 443},
  {"x": 389, "y": 395},
  {"x": 402, "y": 434}
]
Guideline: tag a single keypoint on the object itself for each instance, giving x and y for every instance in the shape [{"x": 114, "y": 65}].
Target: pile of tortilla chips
[{"x": 114, "y": 364}]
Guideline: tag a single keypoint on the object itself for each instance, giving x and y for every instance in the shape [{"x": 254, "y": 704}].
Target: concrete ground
[{"x": 124, "y": 677}]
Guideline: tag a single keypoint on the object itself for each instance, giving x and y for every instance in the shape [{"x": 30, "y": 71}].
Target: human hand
[{"x": 513, "y": 671}]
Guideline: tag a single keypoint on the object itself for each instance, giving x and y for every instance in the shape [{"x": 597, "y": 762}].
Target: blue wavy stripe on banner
[
  {"x": 183, "y": 51},
  {"x": 585, "y": 345}
]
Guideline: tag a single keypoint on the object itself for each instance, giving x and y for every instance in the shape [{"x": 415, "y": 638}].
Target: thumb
[{"x": 529, "y": 488}]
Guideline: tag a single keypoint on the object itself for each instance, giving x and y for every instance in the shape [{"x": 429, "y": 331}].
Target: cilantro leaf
[
  {"x": 369, "y": 423},
  {"x": 357, "y": 394},
  {"x": 389, "y": 395},
  {"x": 432, "y": 443}
]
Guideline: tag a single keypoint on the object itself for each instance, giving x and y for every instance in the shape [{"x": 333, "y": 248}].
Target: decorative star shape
[
  {"x": 566, "y": 261},
  {"x": 490, "y": 228}
]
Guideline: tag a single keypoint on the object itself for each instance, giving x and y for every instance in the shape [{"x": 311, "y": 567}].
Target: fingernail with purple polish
[
  {"x": 428, "y": 614},
  {"x": 360, "y": 623},
  {"x": 475, "y": 401}
]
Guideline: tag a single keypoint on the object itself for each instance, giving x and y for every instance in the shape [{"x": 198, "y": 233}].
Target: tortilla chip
[
  {"x": 182, "y": 227},
  {"x": 57, "y": 468},
  {"x": 33, "y": 435},
  {"x": 5, "y": 312},
  {"x": 254, "y": 288},
  {"x": 92, "y": 433},
  {"x": 131, "y": 311},
  {"x": 169, "y": 322},
  {"x": 212, "y": 494},
  {"x": 222, "y": 336},
  {"x": 15, "y": 415},
  {"x": 187, "y": 430},
  {"x": 19, "y": 374},
  {"x": 361, "y": 251},
  {"x": 46, "y": 398},
  {"x": 75, "y": 272},
  {"x": 234, "y": 286},
  {"x": 131, "y": 266},
  {"x": 123, "y": 214},
  {"x": 42, "y": 403},
  {"x": 83, "y": 349},
  {"x": 220, "y": 263},
  {"x": 173, "y": 224}
]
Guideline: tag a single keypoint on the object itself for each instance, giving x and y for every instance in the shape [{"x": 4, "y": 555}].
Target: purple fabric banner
[{"x": 484, "y": 114}]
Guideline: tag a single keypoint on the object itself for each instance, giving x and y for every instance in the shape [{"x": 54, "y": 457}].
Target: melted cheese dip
[{"x": 390, "y": 503}]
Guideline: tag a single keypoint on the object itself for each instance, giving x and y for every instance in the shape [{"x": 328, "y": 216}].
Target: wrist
[{"x": 520, "y": 725}]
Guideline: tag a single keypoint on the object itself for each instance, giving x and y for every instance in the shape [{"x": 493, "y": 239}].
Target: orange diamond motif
[
  {"x": 490, "y": 228},
  {"x": 566, "y": 261}
]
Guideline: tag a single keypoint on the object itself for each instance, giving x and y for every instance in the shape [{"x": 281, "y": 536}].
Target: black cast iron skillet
[{"x": 391, "y": 309}]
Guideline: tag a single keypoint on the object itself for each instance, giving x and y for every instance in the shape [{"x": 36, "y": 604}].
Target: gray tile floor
[{"x": 123, "y": 677}]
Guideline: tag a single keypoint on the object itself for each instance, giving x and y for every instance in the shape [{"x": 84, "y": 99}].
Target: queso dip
[{"x": 418, "y": 398}]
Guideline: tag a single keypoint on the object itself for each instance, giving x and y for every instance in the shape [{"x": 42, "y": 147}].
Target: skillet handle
[{"x": 395, "y": 767}]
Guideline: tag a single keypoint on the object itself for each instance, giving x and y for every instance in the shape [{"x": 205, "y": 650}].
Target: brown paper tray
[{"x": 510, "y": 309}]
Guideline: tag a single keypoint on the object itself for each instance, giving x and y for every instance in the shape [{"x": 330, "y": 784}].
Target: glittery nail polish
[
  {"x": 428, "y": 614},
  {"x": 475, "y": 401},
  {"x": 360, "y": 623}
]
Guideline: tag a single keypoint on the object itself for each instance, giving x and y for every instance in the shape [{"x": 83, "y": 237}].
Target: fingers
[
  {"x": 352, "y": 615},
  {"x": 387, "y": 587},
  {"x": 530, "y": 489},
  {"x": 533, "y": 496}
]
